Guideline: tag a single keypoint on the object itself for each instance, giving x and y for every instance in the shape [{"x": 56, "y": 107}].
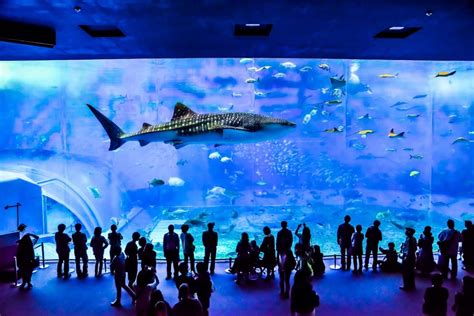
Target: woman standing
[
  {"x": 425, "y": 262},
  {"x": 26, "y": 256},
  {"x": 268, "y": 249}
]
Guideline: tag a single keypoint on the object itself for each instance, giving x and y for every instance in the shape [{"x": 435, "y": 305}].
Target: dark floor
[{"x": 342, "y": 293}]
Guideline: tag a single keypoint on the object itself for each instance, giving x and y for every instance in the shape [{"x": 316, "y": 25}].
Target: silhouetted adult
[
  {"x": 286, "y": 264},
  {"x": 425, "y": 261},
  {"x": 203, "y": 286},
  {"x": 268, "y": 249},
  {"x": 344, "y": 234},
  {"x": 210, "y": 240},
  {"x": 187, "y": 306},
  {"x": 373, "y": 236},
  {"x": 25, "y": 255},
  {"x": 187, "y": 243},
  {"x": 155, "y": 298},
  {"x": 117, "y": 266},
  {"x": 146, "y": 284},
  {"x": 242, "y": 261},
  {"x": 409, "y": 258},
  {"x": 448, "y": 242},
  {"x": 184, "y": 277},
  {"x": 467, "y": 237},
  {"x": 436, "y": 297},
  {"x": 390, "y": 262},
  {"x": 284, "y": 240},
  {"x": 303, "y": 261},
  {"x": 463, "y": 302},
  {"x": 357, "y": 248},
  {"x": 304, "y": 238},
  {"x": 62, "y": 249},
  {"x": 303, "y": 298},
  {"x": 131, "y": 262},
  {"x": 98, "y": 244},
  {"x": 79, "y": 239},
  {"x": 171, "y": 251},
  {"x": 141, "y": 249},
  {"x": 115, "y": 240},
  {"x": 149, "y": 257}
]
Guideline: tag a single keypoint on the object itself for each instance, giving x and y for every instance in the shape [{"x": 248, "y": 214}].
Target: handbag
[{"x": 36, "y": 262}]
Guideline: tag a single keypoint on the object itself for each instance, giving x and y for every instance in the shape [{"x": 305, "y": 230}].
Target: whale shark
[{"x": 188, "y": 127}]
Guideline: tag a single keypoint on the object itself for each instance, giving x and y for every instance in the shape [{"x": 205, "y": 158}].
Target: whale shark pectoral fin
[
  {"x": 181, "y": 111},
  {"x": 143, "y": 142}
]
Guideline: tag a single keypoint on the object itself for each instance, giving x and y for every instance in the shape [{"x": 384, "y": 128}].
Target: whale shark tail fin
[{"x": 110, "y": 127}]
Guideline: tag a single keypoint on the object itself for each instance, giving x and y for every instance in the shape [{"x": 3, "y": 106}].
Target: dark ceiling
[{"x": 306, "y": 29}]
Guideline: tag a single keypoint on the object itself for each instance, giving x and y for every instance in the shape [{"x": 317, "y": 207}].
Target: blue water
[{"x": 322, "y": 170}]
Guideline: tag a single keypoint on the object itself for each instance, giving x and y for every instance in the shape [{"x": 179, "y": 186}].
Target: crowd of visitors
[{"x": 194, "y": 280}]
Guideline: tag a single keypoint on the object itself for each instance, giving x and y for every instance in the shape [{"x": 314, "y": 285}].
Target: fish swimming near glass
[{"x": 188, "y": 127}]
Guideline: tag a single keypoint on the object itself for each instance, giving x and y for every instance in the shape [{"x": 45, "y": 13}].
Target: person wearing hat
[
  {"x": 26, "y": 255},
  {"x": 409, "y": 260},
  {"x": 209, "y": 240}
]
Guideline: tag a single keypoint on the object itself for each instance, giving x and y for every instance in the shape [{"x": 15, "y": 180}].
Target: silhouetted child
[
  {"x": 203, "y": 286},
  {"x": 79, "y": 240},
  {"x": 390, "y": 262},
  {"x": 184, "y": 277},
  {"x": 149, "y": 257},
  {"x": 146, "y": 285},
  {"x": 318, "y": 261},
  {"x": 115, "y": 241},
  {"x": 436, "y": 297},
  {"x": 98, "y": 244},
  {"x": 118, "y": 268},
  {"x": 356, "y": 248},
  {"x": 303, "y": 262},
  {"x": 254, "y": 253},
  {"x": 62, "y": 249}
]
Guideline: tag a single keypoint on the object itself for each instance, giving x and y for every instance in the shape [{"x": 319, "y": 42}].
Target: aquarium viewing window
[{"x": 387, "y": 140}]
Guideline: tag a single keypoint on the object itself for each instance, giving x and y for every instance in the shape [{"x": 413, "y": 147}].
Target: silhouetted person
[
  {"x": 242, "y": 264},
  {"x": 115, "y": 240},
  {"x": 254, "y": 253},
  {"x": 409, "y": 258},
  {"x": 268, "y": 249},
  {"x": 98, "y": 244},
  {"x": 171, "y": 251},
  {"x": 184, "y": 277},
  {"x": 436, "y": 297},
  {"x": 131, "y": 262},
  {"x": 161, "y": 309},
  {"x": 187, "y": 306},
  {"x": 155, "y": 298},
  {"x": 390, "y": 262},
  {"x": 79, "y": 240},
  {"x": 210, "y": 240},
  {"x": 141, "y": 249},
  {"x": 467, "y": 237},
  {"x": 149, "y": 257},
  {"x": 344, "y": 234},
  {"x": 357, "y": 240},
  {"x": 448, "y": 241},
  {"x": 117, "y": 266},
  {"x": 187, "y": 243},
  {"x": 286, "y": 264},
  {"x": 425, "y": 261},
  {"x": 303, "y": 298},
  {"x": 25, "y": 255},
  {"x": 317, "y": 257},
  {"x": 304, "y": 238},
  {"x": 303, "y": 261},
  {"x": 373, "y": 236},
  {"x": 203, "y": 286},
  {"x": 463, "y": 302},
  {"x": 146, "y": 284},
  {"x": 62, "y": 249},
  {"x": 284, "y": 239}
]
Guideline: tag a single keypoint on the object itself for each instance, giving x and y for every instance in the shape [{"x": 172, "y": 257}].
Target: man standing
[
  {"x": 209, "y": 240},
  {"x": 344, "y": 235},
  {"x": 131, "y": 262},
  {"x": 62, "y": 249},
  {"x": 79, "y": 240},
  {"x": 409, "y": 260},
  {"x": 284, "y": 240},
  {"x": 187, "y": 242},
  {"x": 171, "y": 251},
  {"x": 448, "y": 241},
  {"x": 467, "y": 236},
  {"x": 373, "y": 235}
]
